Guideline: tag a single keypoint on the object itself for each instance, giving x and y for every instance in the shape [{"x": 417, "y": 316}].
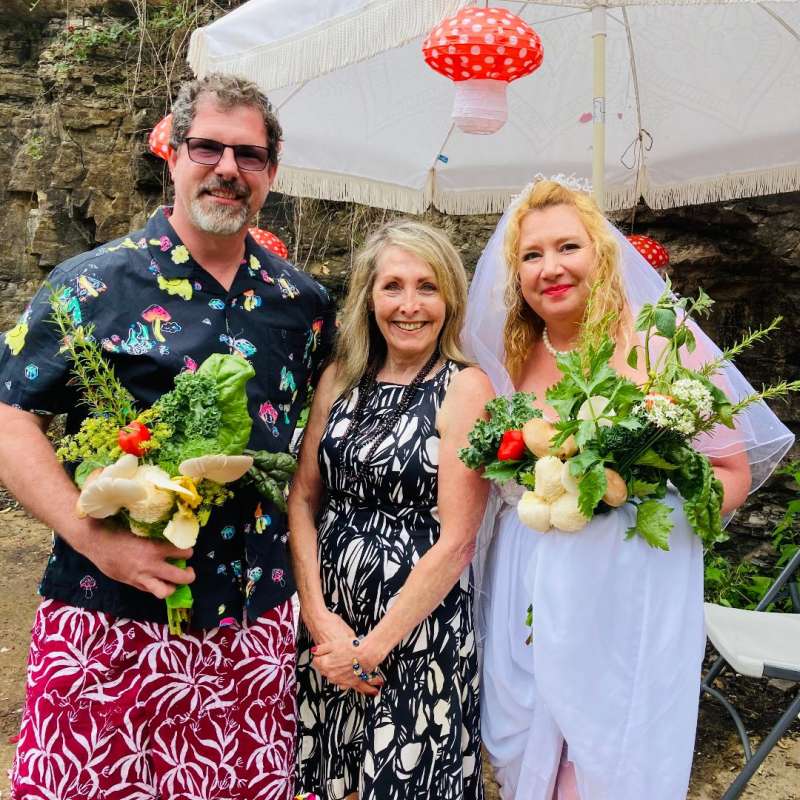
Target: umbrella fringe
[
  {"x": 350, "y": 189},
  {"x": 727, "y": 187},
  {"x": 353, "y": 37}
]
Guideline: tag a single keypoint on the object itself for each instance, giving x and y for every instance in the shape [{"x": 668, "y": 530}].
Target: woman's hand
[
  {"x": 324, "y": 626},
  {"x": 334, "y": 661}
]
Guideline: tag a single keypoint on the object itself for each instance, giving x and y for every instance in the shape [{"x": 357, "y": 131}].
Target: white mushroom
[
  {"x": 568, "y": 480},
  {"x": 158, "y": 500},
  {"x": 182, "y": 530},
  {"x": 534, "y": 512},
  {"x": 106, "y": 495},
  {"x": 565, "y": 514},
  {"x": 547, "y": 477},
  {"x": 219, "y": 468}
]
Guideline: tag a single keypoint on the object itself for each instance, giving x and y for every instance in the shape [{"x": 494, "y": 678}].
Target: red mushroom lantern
[
  {"x": 654, "y": 252},
  {"x": 270, "y": 241},
  {"x": 158, "y": 140},
  {"x": 482, "y": 51},
  {"x": 158, "y": 143}
]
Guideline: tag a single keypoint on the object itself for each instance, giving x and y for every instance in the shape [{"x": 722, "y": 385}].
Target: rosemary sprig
[
  {"x": 101, "y": 389},
  {"x": 747, "y": 341}
]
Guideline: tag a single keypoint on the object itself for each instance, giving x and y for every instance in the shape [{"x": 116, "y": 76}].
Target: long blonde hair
[
  {"x": 360, "y": 344},
  {"x": 523, "y": 325}
]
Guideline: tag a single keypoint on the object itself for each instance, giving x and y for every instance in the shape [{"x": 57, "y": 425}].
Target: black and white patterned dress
[{"x": 420, "y": 737}]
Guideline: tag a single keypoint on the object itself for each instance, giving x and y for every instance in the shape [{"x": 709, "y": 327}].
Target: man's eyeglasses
[{"x": 249, "y": 157}]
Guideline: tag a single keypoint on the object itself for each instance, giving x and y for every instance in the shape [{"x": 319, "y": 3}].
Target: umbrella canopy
[{"x": 701, "y": 101}]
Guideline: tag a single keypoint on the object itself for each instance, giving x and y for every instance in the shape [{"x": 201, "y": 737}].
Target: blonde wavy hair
[
  {"x": 523, "y": 325},
  {"x": 360, "y": 344}
]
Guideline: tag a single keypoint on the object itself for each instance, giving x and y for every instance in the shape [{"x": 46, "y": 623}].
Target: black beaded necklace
[{"x": 365, "y": 388}]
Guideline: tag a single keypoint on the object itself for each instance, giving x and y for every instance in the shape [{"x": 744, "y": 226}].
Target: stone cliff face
[{"x": 82, "y": 83}]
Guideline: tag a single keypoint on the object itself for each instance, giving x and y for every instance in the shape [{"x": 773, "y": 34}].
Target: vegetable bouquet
[
  {"x": 160, "y": 472},
  {"x": 617, "y": 442}
]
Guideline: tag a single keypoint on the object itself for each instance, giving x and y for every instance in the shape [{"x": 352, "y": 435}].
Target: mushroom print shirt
[{"x": 157, "y": 312}]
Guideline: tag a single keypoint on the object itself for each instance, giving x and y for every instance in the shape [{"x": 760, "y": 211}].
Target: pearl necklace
[{"x": 548, "y": 345}]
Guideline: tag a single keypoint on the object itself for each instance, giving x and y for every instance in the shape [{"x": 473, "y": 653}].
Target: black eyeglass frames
[{"x": 249, "y": 157}]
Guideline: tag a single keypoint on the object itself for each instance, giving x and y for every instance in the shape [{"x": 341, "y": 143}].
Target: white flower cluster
[
  {"x": 693, "y": 394},
  {"x": 664, "y": 412}
]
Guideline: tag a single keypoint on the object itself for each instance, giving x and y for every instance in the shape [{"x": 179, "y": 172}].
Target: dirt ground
[{"x": 24, "y": 546}]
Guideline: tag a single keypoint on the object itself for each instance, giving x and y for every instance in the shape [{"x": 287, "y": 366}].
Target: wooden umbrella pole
[{"x": 599, "y": 105}]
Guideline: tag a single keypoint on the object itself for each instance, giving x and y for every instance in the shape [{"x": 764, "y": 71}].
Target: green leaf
[
  {"x": 645, "y": 318},
  {"x": 640, "y": 488},
  {"x": 581, "y": 462},
  {"x": 230, "y": 373},
  {"x": 665, "y": 322},
  {"x": 591, "y": 489},
  {"x": 651, "y": 459},
  {"x": 501, "y": 470},
  {"x": 702, "y": 495},
  {"x": 633, "y": 357},
  {"x": 653, "y": 524}
]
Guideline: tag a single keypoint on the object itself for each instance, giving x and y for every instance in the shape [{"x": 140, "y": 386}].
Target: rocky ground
[{"x": 24, "y": 545}]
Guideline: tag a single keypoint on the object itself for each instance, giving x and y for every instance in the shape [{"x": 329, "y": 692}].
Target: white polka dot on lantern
[
  {"x": 466, "y": 74},
  {"x": 512, "y": 40},
  {"x": 477, "y": 68},
  {"x": 489, "y": 59},
  {"x": 489, "y": 38},
  {"x": 475, "y": 50},
  {"x": 477, "y": 28},
  {"x": 501, "y": 50},
  {"x": 448, "y": 60},
  {"x": 522, "y": 53}
]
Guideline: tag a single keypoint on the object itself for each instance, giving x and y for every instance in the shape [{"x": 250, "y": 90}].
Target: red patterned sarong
[{"x": 121, "y": 710}]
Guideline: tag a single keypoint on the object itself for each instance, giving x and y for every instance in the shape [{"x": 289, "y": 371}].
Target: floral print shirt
[{"x": 157, "y": 312}]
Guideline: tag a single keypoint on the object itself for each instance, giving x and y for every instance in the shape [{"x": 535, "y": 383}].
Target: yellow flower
[
  {"x": 255, "y": 264},
  {"x": 180, "y": 255},
  {"x": 193, "y": 499},
  {"x": 15, "y": 338}
]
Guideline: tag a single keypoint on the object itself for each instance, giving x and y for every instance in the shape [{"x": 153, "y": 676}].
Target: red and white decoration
[
  {"x": 482, "y": 51},
  {"x": 654, "y": 252},
  {"x": 158, "y": 144}
]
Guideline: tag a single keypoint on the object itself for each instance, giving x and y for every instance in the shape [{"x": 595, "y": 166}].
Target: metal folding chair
[{"x": 759, "y": 644}]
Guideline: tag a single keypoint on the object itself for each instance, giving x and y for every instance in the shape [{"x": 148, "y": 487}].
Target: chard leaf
[{"x": 653, "y": 524}]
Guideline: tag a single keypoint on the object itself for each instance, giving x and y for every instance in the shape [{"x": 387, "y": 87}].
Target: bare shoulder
[
  {"x": 470, "y": 382},
  {"x": 469, "y": 391}
]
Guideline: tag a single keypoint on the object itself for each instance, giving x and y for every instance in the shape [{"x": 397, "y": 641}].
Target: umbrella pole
[{"x": 599, "y": 105}]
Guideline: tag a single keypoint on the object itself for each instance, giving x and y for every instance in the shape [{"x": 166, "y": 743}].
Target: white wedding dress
[{"x": 614, "y": 667}]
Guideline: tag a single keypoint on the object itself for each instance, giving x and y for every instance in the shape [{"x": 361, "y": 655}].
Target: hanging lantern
[
  {"x": 482, "y": 51},
  {"x": 654, "y": 252},
  {"x": 158, "y": 144},
  {"x": 270, "y": 242},
  {"x": 158, "y": 140}
]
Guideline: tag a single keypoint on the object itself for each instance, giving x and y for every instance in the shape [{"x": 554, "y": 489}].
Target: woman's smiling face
[
  {"x": 556, "y": 262},
  {"x": 408, "y": 306}
]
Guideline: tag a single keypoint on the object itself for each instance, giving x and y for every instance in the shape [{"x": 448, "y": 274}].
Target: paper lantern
[
  {"x": 158, "y": 142},
  {"x": 270, "y": 242},
  {"x": 482, "y": 50},
  {"x": 654, "y": 252}
]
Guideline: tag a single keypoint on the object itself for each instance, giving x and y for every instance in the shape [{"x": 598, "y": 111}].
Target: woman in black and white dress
[{"x": 383, "y": 518}]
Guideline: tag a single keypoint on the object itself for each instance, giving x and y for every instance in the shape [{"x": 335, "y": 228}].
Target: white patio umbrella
[{"x": 701, "y": 100}]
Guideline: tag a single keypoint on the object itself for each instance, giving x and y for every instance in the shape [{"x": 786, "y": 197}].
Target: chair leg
[
  {"x": 737, "y": 787},
  {"x": 734, "y": 714}
]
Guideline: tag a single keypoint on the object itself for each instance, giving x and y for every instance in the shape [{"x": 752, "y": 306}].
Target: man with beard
[{"x": 117, "y": 706}]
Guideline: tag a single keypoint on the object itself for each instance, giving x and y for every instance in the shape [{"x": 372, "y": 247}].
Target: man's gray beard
[{"x": 218, "y": 220}]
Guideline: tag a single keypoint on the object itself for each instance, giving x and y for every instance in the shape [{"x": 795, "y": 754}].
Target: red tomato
[
  {"x": 512, "y": 446},
  {"x": 130, "y": 438}
]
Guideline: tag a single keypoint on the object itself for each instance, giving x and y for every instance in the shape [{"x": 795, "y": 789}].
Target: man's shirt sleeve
[{"x": 33, "y": 369}]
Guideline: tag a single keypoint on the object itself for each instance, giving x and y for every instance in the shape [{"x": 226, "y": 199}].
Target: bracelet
[{"x": 364, "y": 676}]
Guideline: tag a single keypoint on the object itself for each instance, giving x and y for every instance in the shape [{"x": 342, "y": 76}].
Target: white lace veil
[{"x": 758, "y": 431}]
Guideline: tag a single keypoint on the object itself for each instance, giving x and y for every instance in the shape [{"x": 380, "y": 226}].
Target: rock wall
[{"x": 82, "y": 83}]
